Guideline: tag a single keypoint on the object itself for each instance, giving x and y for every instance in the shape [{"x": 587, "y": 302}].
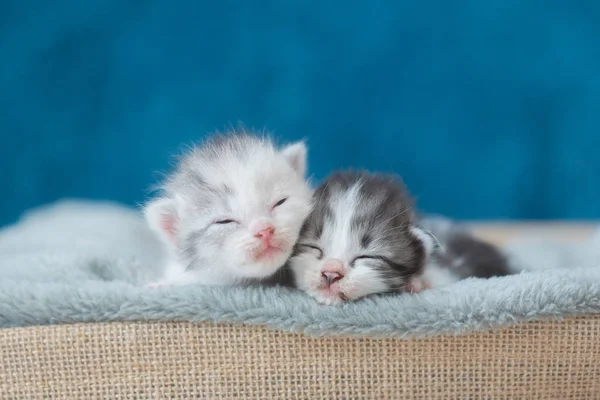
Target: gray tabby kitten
[
  {"x": 363, "y": 237},
  {"x": 231, "y": 211}
]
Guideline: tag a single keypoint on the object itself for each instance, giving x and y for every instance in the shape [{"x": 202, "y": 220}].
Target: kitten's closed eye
[
  {"x": 377, "y": 258},
  {"x": 280, "y": 202},
  {"x": 313, "y": 247},
  {"x": 366, "y": 257},
  {"x": 226, "y": 221}
]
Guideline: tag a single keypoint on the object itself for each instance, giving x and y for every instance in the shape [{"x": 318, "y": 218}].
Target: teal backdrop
[{"x": 488, "y": 109}]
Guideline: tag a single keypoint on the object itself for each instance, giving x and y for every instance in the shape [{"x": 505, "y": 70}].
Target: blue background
[{"x": 488, "y": 109}]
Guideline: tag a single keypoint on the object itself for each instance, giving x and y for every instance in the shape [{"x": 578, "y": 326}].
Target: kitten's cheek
[
  {"x": 354, "y": 290},
  {"x": 352, "y": 293}
]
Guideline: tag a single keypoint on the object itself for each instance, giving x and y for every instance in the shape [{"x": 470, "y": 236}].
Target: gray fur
[
  {"x": 383, "y": 215},
  {"x": 470, "y": 257},
  {"x": 465, "y": 255},
  {"x": 381, "y": 220},
  {"x": 383, "y": 223}
]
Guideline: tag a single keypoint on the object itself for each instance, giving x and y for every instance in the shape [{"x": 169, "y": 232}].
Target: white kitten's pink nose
[{"x": 265, "y": 233}]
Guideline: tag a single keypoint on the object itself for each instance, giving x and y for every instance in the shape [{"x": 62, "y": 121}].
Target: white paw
[{"x": 416, "y": 285}]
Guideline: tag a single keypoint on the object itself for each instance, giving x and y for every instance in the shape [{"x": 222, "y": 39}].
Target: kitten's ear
[
  {"x": 295, "y": 154},
  {"x": 429, "y": 241},
  {"x": 162, "y": 217}
]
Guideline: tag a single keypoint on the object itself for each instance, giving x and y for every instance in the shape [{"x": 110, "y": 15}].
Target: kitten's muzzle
[{"x": 330, "y": 289}]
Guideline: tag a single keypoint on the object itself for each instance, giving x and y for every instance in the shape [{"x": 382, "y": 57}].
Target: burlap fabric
[{"x": 536, "y": 360}]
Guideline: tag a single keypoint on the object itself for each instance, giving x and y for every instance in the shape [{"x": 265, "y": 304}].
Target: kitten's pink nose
[
  {"x": 331, "y": 277},
  {"x": 332, "y": 271},
  {"x": 265, "y": 233}
]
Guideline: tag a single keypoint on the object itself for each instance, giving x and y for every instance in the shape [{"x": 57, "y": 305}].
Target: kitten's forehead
[
  {"x": 233, "y": 172},
  {"x": 231, "y": 158},
  {"x": 230, "y": 147},
  {"x": 367, "y": 201},
  {"x": 357, "y": 211}
]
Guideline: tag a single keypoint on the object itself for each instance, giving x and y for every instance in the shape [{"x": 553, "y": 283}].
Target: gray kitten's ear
[
  {"x": 162, "y": 217},
  {"x": 295, "y": 154},
  {"x": 429, "y": 241}
]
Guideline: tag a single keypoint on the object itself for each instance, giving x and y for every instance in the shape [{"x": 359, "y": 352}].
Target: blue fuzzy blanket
[{"x": 84, "y": 262}]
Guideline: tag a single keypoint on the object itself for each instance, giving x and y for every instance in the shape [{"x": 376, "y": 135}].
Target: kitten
[
  {"x": 232, "y": 210},
  {"x": 465, "y": 255},
  {"x": 362, "y": 238}
]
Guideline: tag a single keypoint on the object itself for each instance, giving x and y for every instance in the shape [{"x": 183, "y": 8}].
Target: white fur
[
  {"x": 363, "y": 281},
  {"x": 295, "y": 153},
  {"x": 337, "y": 241},
  {"x": 159, "y": 211},
  {"x": 433, "y": 274},
  {"x": 429, "y": 241},
  {"x": 338, "y": 238},
  {"x": 256, "y": 180}
]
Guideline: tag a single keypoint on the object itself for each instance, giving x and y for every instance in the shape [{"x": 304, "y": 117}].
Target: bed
[{"x": 540, "y": 358}]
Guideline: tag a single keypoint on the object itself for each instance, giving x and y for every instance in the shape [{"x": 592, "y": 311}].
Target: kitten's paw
[{"x": 416, "y": 285}]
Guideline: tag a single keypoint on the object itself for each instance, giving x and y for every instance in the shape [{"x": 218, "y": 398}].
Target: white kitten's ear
[
  {"x": 295, "y": 154},
  {"x": 429, "y": 241},
  {"x": 162, "y": 217}
]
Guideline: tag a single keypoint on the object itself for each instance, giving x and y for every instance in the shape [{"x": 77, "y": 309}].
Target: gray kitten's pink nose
[
  {"x": 331, "y": 277},
  {"x": 332, "y": 271}
]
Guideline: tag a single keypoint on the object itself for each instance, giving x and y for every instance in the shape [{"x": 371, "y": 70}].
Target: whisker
[{"x": 406, "y": 229}]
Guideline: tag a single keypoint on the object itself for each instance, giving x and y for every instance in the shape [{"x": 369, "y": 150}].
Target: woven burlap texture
[{"x": 535, "y": 360}]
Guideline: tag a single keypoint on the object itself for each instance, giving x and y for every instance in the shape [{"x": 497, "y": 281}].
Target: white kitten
[{"x": 232, "y": 210}]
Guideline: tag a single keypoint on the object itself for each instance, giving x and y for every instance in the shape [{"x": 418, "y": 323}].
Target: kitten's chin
[
  {"x": 273, "y": 254},
  {"x": 329, "y": 298},
  {"x": 268, "y": 254},
  {"x": 265, "y": 263}
]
